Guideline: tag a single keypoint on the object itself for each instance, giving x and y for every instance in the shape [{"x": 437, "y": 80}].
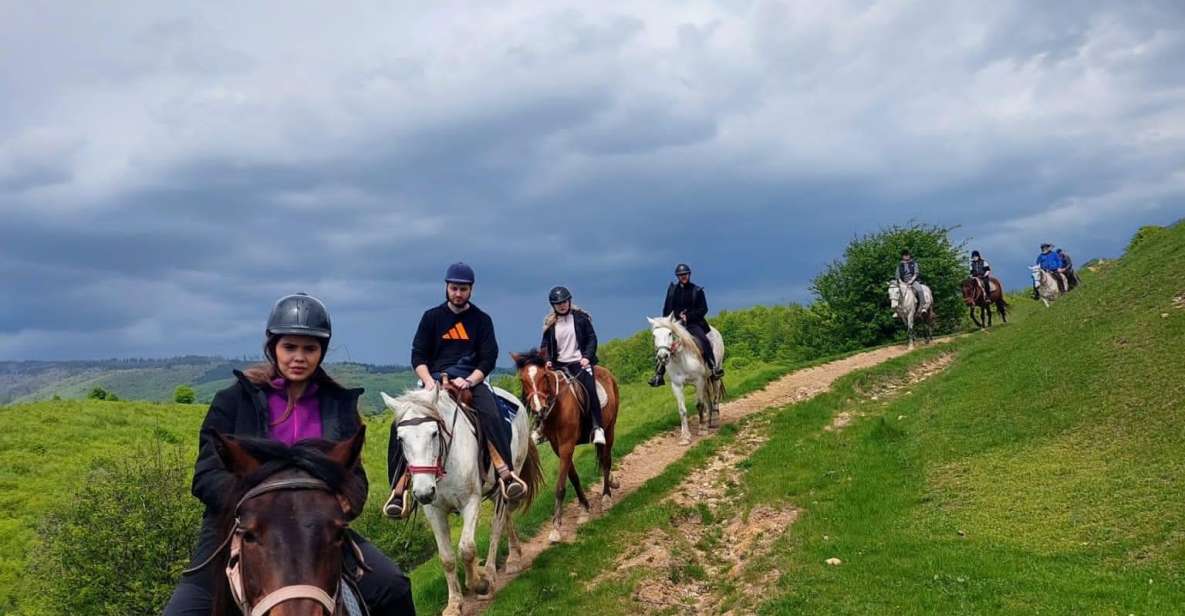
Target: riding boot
[
  {"x": 659, "y": 370},
  {"x": 400, "y": 503},
  {"x": 513, "y": 488},
  {"x": 593, "y": 405}
]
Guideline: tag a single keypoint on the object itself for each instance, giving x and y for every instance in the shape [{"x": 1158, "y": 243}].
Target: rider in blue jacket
[{"x": 1051, "y": 262}]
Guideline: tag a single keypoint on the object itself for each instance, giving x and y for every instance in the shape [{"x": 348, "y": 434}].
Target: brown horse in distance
[
  {"x": 975, "y": 297},
  {"x": 287, "y": 525},
  {"x": 557, "y": 403}
]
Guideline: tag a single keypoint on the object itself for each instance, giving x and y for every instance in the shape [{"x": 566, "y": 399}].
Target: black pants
[
  {"x": 987, "y": 287},
  {"x": 1072, "y": 278},
  {"x": 496, "y": 429},
  {"x": 592, "y": 404},
  {"x": 699, "y": 331},
  {"x": 385, "y": 589}
]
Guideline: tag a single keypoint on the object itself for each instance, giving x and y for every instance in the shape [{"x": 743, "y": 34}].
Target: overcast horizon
[{"x": 168, "y": 170}]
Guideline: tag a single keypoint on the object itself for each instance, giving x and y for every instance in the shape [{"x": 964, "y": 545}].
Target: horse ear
[
  {"x": 234, "y": 457},
  {"x": 650, "y": 321},
  {"x": 348, "y": 452},
  {"x": 515, "y": 357}
]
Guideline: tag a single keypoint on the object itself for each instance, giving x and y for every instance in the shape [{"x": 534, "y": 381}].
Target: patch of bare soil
[
  {"x": 890, "y": 389},
  {"x": 709, "y": 553},
  {"x": 651, "y": 458}
]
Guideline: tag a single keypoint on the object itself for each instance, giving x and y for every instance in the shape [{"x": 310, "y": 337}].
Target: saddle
[{"x": 507, "y": 407}]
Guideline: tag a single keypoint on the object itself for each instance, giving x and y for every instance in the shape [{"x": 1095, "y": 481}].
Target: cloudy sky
[{"x": 168, "y": 171}]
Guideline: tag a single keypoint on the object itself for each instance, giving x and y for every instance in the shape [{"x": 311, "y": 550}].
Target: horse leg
[
  {"x": 557, "y": 516},
  {"x": 1002, "y": 307},
  {"x": 977, "y": 323},
  {"x": 685, "y": 435},
  {"x": 438, "y": 520},
  {"x": 515, "y": 558},
  {"x": 701, "y": 405},
  {"x": 497, "y": 524},
  {"x": 585, "y": 506},
  {"x": 714, "y": 397},
  {"x": 475, "y": 580},
  {"x": 606, "y": 462}
]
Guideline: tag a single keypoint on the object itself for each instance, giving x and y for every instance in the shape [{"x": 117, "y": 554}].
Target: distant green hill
[{"x": 154, "y": 380}]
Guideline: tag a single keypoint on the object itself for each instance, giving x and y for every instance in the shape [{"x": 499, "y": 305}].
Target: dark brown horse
[
  {"x": 286, "y": 526},
  {"x": 975, "y": 297},
  {"x": 557, "y": 403}
]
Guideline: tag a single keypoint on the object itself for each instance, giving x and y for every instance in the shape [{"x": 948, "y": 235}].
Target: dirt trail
[{"x": 651, "y": 458}]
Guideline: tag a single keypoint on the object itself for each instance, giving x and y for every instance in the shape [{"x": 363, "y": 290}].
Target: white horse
[
  {"x": 1045, "y": 283},
  {"x": 676, "y": 347},
  {"x": 442, "y": 454},
  {"x": 905, "y": 304}
]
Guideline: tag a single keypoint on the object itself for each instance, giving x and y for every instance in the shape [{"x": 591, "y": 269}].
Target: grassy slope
[
  {"x": 1053, "y": 444},
  {"x": 37, "y": 473}
]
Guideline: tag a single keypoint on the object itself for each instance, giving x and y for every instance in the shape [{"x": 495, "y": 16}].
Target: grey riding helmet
[
  {"x": 299, "y": 314},
  {"x": 559, "y": 295}
]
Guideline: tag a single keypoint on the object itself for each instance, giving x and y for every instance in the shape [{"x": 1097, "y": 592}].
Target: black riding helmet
[
  {"x": 300, "y": 314},
  {"x": 559, "y": 295},
  {"x": 682, "y": 269},
  {"x": 974, "y": 253}
]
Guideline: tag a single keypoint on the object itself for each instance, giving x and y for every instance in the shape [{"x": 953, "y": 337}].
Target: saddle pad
[
  {"x": 508, "y": 406},
  {"x": 602, "y": 395},
  {"x": 353, "y": 605}
]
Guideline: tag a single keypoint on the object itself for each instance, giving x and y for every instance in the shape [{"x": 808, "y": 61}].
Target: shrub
[
  {"x": 119, "y": 543},
  {"x": 98, "y": 393},
  {"x": 184, "y": 394},
  {"x": 854, "y": 287}
]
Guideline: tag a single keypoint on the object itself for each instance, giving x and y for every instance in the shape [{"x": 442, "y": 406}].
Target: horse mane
[
  {"x": 423, "y": 402},
  {"x": 680, "y": 332},
  {"x": 531, "y": 358}
]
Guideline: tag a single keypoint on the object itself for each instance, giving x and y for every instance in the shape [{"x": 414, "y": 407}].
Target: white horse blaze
[{"x": 536, "y": 403}]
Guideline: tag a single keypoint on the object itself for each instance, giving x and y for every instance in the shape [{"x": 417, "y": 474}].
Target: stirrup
[
  {"x": 513, "y": 488},
  {"x": 398, "y": 505}
]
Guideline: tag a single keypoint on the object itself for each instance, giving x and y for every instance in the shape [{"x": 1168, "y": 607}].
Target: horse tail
[{"x": 532, "y": 474}]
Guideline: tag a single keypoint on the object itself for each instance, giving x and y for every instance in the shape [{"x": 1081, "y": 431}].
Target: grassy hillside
[{"x": 1041, "y": 472}]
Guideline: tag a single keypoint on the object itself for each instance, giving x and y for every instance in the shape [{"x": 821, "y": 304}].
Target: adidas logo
[{"x": 456, "y": 333}]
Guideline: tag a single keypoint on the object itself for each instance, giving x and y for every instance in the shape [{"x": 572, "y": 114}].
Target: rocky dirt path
[{"x": 651, "y": 458}]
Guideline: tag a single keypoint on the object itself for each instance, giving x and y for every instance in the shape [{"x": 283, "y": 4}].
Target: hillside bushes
[{"x": 119, "y": 544}]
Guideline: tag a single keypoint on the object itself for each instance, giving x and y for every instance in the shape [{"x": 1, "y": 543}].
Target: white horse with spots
[
  {"x": 1046, "y": 284},
  {"x": 442, "y": 453},
  {"x": 676, "y": 348}
]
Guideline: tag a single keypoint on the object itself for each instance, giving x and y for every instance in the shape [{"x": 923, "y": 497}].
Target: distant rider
[
  {"x": 570, "y": 343},
  {"x": 686, "y": 301}
]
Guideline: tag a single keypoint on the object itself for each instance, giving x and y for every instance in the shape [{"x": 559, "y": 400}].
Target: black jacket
[
  {"x": 586, "y": 338},
  {"x": 690, "y": 298},
  {"x": 444, "y": 339},
  {"x": 908, "y": 272},
  {"x": 242, "y": 410}
]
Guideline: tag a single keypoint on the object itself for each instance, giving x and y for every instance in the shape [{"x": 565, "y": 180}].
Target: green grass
[{"x": 1042, "y": 472}]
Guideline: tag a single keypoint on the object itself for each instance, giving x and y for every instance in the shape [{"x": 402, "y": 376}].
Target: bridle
[
  {"x": 671, "y": 348},
  {"x": 537, "y": 397},
  {"x": 443, "y": 446},
  {"x": 234, "y": 564}
]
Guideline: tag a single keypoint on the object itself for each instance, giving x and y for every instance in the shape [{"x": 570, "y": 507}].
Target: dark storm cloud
[{"x": 168, "y": 179}]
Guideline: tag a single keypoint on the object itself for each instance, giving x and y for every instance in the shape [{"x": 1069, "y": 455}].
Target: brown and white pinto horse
[
  {"x": 975, "y": 297},
  {"x": 557, "y": 404}
]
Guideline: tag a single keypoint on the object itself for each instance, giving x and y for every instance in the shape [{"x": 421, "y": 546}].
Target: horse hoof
[
  {"x": 685, "y": 440},
  {"x": 511, "y": 567},
  {"x": 453, "y": 609},
  {"x": 583, "y": 517},
  {"x": 554, "y": 536},
  {"x": 482, "y": 587},
  {"x": 606, "y": 502}
]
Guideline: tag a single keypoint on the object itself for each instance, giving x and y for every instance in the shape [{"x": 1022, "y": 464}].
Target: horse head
[
  {"x": 424, "y": 436},
  {"x": 665, "y": 338},
  {"x": 289, "y": 522},
  {"x": 970, "y": 291},
  {"x": 539, "y": 384}
]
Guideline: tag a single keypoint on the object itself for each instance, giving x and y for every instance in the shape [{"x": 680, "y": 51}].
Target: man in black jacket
[
  {"x": 455, "y": 341},
  {"x": 686, "y": 301},
  {"x": 570, "y": 343}
]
